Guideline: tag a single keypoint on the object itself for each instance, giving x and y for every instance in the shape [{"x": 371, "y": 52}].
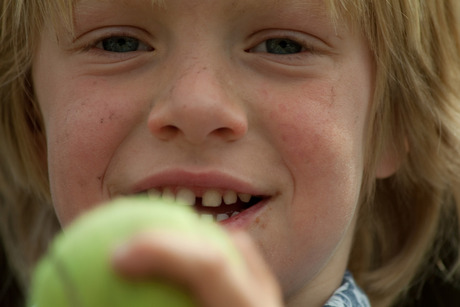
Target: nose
[{"x": 197, "y": 106}]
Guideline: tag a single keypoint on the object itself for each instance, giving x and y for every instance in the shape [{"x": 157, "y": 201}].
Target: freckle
[
  {"x": 101, "y": 121},
  {"x": 260, "y": 224}
]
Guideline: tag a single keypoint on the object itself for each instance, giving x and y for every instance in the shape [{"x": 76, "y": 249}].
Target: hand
[{"x": 206, "y": 271}]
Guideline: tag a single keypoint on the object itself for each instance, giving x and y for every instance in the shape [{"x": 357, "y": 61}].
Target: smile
[{"x": 210, "y": 203}]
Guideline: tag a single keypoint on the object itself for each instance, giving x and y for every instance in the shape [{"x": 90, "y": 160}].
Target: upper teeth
[{"x": 210, "y": 198}]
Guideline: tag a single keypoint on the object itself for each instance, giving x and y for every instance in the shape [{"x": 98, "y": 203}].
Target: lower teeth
[
  {"x": 222, "y": 217},
  {"x": 219, "y": 217}
]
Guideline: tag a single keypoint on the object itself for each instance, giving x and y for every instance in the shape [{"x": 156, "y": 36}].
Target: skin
[{"x": 204, "y": 96}]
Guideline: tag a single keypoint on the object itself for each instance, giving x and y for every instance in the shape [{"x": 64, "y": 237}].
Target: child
[{"x": 332, "y": 128}]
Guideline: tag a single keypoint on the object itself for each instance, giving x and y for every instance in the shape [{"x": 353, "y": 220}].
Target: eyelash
[
  {"x": 92, "y": 46},
  {"x": 304, "y": 47}
]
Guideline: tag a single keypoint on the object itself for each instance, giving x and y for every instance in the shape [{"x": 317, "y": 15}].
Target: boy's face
[{"x": 267, "y": 98}]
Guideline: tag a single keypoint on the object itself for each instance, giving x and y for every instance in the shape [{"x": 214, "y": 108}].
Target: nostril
[
  {"x": 195, "y": 130},
  {"x": 167, "y": 132},
  {"x": 224, "y": 133},
  {"x": 229, "y": 134},
  {"x": 196, "y": 117}
]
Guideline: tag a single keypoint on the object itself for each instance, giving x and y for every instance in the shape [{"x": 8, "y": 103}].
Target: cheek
[
  {"x": 317, "y": 132},
  {"x": 320, "y": 138},
  {"x": 85, "y": 122},
  {"x": 326, "y": 159}
]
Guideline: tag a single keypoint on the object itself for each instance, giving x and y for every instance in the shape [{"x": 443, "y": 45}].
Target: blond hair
[
  {"x": 404, "y": 220},
  {"x": 408, "y": 218}
]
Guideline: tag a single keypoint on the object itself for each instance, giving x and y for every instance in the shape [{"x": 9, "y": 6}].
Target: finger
[
  {"x": 190, "y": 261},
  {"x": 196, "y": 263},
  {"x": 157, "y": 251}
]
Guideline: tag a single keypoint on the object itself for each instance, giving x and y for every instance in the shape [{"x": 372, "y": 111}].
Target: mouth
[{"x": 218, "y": 205}]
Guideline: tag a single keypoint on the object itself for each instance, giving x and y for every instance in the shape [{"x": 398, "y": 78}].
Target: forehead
[
  {"x": 316, "y": 5},
  {"x": 341, "y": 6},
  {"x": 233, "y": 3},
  {"x": 228, "y": 9},
  {"x": 66, "y": 14}
]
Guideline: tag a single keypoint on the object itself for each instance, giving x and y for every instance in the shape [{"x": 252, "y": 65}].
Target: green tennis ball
[{"x": 76, "y": 271}]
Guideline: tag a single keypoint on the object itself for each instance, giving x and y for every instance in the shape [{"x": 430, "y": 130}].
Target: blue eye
[
  {"x": 121, "y": 44},
  {"x": 282, "y": 46}
]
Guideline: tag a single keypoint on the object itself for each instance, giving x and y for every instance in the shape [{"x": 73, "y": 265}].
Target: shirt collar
[{"x": 348, "y": 294}]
